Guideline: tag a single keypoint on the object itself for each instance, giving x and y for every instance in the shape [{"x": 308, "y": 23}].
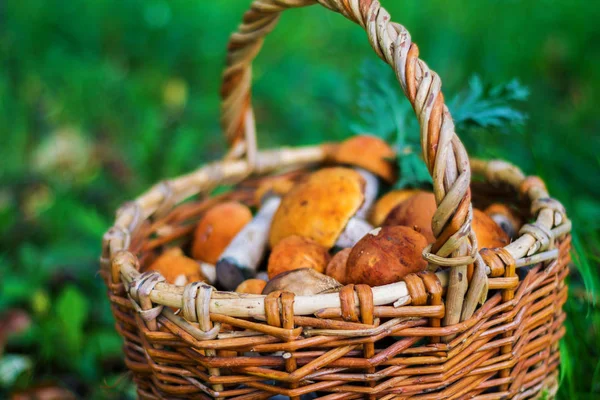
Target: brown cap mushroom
[
  {"x": 387, "y": 202},
  {"x": 505, "y": 217},
  {"x": 217, "y": 228},
  {"x": 489, "y": 234},
  {"x": 296, "y": 252},
  {"x": 337, "y": 266},
  {"x": 240, "y": 260},
  {"x": 386, "y": 255},
  {"x": 370, "y": 153},
  {"x": 177, "y": 268},
  {"x": 415, "y": 212},
  {"x": 320, "y": 207},
  {"x": 252, "y": 286},
  {"x": 302, "y": 282}
]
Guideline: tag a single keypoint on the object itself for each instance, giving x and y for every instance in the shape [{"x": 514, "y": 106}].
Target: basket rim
[{"x": 533, "y": 245}]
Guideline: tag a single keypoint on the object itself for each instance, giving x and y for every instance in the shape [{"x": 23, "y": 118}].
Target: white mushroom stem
[
  {"x": 355, "y": 229},
  {"x": 180, "y": 280},
  {"x": 209, "y": 271},
  {"x": 357, "y": 226},
  {"x": 505, "y": 223},
  {"x": 371, "y": 190},
  {"x": 240, "y": 259},
  {"x": 263, "y": 276}
]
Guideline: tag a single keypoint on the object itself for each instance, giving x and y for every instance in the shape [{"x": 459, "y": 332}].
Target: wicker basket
[{"x": 487, "y": 326}]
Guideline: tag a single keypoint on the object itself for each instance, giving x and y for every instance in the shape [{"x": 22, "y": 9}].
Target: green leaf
[
  {"x": 480, "y": 106},
  {"x": 71, "y": 311},
  {"x": 383, "y": 111},
  {"x": 413, "y": 172}
]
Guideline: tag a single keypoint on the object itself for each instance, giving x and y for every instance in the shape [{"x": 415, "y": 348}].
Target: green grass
[{"x": 98, "y": 100}]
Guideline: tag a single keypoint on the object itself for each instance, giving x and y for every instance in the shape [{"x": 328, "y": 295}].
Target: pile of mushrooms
[{"x": 326, "y": 230}]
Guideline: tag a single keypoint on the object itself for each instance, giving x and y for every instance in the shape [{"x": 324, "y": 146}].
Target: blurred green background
[{"x": 100, "y": 99}]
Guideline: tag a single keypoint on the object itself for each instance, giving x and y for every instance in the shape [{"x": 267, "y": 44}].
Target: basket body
[{"x": 507, "y": 349}]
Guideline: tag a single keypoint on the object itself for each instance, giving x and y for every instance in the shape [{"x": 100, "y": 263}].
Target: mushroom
[
  {"x": 241, "y": 257},
  {"x": 296, "y": 252},
  {"x": 386, "y": 255},
  {"x": 263, "y": 275},
  {"x": 505, "y": 217},
  {"x": 302, "y": 282},
  {"x": 355, "y": 229},
  {"x": 217, "y": 228},
  {"x": 251, "y": 286},
  {"x": 373, "y": 158},
  {"x": 489, "y": 234},
  {"x": 387, "y": 203},
  {"x": 321, "y": 207},
  {"x": 209, "y": 271},
  {"x": 276, "y": 185},
  {"x": 176, "y": 268},
  {"x": 415, "y": 212},
  {"x": 337, "y": 266}
]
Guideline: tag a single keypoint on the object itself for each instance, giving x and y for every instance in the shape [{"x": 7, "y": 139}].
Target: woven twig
[{"x": 528, "y": 323}]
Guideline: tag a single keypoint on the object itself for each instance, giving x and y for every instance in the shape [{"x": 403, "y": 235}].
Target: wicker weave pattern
[
  {"x": 509, "y": 345},
  {"x": 422, "y": 338}
]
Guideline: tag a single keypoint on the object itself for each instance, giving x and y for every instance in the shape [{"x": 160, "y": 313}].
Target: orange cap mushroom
[
  {"x": 370, "y": 153},
  {"x": 387, "y": 203},
  {"x": 320, "y": 207},
  {"x": 337, "y": 266},
  {"x": 505, "y": 217},
  {"x": 176, "y": 268},
  {"x": 296, "y": 252},
  {"x": 240, "y": 260},
  {"x": 414, "y": 212},
  {"x": 251, "y": 286},
  {"x": 217, "y": 228},
  {"x": 489, "y": 234},
  {"x": 386, "y": 255}
]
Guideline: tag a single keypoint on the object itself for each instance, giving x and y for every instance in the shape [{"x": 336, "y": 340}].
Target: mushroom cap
[
  {"x": 278, "y": 185},
  {"x": 302, "y": 282},
  {"x": 173, "y": 264},
  {"x": 415, "y": 212},
  {"x": 387, "y": 202},
  {"x": 370, "y": 153},
  {"x": 505, "y": 217},
  {"x": 386, "y": 255},
  {"x": 320, "y": 207},
  {"x": 296, "y": 252},
  {"x": 337, "y": 266},
  {"x": 251, "y": 286},
  {"x": 489, "y": 234},
  {"x": 217, "y": 228}
]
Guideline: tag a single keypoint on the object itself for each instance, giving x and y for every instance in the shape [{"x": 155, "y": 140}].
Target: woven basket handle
[{"x": 443, "y": 151}]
